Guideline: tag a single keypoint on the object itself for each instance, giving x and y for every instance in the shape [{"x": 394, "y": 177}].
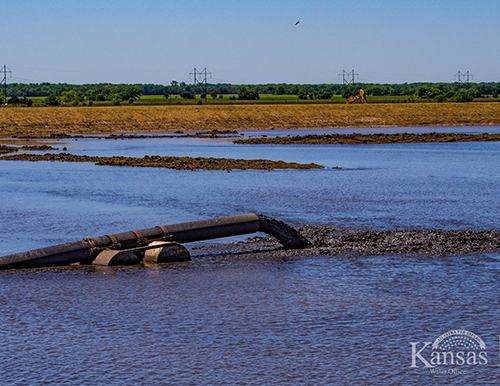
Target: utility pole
[
  {"x": 197, "y": 75},
  {"x": 346, "y": 75},
  {"x": 348, "y": 79},
  {"x": 5, "y": 70},
  {"x": 463, "y": 77}
]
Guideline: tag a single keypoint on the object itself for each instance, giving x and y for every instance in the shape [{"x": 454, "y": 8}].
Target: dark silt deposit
[
  {"x": 7, "y": 149},
  {"x": 4, "y": 149},
  {"x": 335, "y": 241},
  {"x": 155, "y": 161},
  {"x": 215, "y": 133},
  {"x": 377, "y": 138},
  {"x": 420, "y": 242}
]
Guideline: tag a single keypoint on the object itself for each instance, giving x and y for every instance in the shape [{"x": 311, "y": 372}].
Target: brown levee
[{"x": 43, "y": 121}]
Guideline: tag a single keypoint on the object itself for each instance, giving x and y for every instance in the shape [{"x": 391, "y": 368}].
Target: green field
[{"x": 264, "y": 99}]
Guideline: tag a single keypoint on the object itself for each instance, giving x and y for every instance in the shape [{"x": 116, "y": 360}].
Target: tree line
[{"x": 131, "y": 92}]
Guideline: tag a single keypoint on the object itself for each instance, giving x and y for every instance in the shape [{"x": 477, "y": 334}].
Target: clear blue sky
[{"x": 249, "y": 41}]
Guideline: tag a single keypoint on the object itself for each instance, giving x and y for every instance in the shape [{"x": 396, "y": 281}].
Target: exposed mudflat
[
  {"x": 215, "y": 133},
  {"x": 357, "y": 138},
  {"x": 155, "y": 161},
  {"x": 5, "y": 149},
  {"x": 335, "y": 241}
]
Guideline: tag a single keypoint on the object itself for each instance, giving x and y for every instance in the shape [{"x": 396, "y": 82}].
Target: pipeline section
[{"x": 86, "y": 250}]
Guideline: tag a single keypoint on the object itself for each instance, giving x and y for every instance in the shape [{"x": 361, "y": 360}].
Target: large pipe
[{"x": 84, "y": 251}]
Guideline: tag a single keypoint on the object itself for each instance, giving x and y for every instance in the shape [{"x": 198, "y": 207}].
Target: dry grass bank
[{"x": 86, "y": 120}]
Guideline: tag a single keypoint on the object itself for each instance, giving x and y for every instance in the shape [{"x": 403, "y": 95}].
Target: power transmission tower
[
  {"x": 5, "y": 70},
  {"x": 348, "y": 77},
  {"x": 198, "y": 80},
  {"x": 463, "y": 77}
]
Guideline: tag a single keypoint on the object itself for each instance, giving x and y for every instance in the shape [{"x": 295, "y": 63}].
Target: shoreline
[{"x": 46, "y": 121}]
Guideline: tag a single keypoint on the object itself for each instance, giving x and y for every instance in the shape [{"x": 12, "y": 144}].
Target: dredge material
[
  {"x": 413, "y": 242},
  {"x": 215, "y": 133},
  {"x": 155, "y": 161},
  {"x": 4, "y": 149},
  {"x": 130, "y": 247},
  {"x": 358, "y": 139},
  {"x": 337, "y": 241}
]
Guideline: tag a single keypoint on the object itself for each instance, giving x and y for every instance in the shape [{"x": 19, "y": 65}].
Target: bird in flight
[{"x": 298, "y": 21}]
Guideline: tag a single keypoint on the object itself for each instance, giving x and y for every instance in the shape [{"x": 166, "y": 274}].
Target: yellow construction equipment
[{"x": 354, "y": 98}]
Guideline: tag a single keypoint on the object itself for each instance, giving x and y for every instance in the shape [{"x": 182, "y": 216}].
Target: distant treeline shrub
[
  {"x": 123, "y": 92},
  {"x": 186, "y": 95},
  {"x": 18, "y": 101},
  {"x": 248, "y": 94}
]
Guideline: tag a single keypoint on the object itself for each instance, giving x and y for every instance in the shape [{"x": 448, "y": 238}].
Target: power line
[
  {"x": 5, "y": 70},
  {"x": 199, "y": 80},
  {"x": 463, "y": 77},
  {"x": 15, "y": 78},
  {"x": 348, "y": 77}
]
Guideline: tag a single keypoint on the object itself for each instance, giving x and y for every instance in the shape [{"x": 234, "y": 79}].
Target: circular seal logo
[{"x": 460, "y": 339}]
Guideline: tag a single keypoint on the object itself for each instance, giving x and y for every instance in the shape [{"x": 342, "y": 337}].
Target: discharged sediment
[
  {"x": 337, "y": 241},
  {"x": 155, "y": 161},
  {"x": 378, "y": 138},
  {"x": 4, "y": 149},
  {"x": 215, "y": 133}
]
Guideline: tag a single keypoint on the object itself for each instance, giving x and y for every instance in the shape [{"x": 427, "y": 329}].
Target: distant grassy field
[
  {"x": 266, "y": 99},
  {"x": 41, "y": 122},
  {"x": 155, "y": 100},
  {"x": 227, "y": 99}
]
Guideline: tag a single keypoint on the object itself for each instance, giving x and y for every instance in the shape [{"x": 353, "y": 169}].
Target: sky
[{"x": 249, "y": 41}]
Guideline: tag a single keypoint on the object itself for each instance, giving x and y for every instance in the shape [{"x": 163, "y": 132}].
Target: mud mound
[
  {"x": 335, "y": 241},
  {"x": 357, "y": 138},
  {"x": 155, "y": 161},
  {"x": 429, "y": 242}
]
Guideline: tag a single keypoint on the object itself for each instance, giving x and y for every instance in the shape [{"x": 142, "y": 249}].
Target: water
[
  {"x": 248, "y": 319},
  {"x": 228, "y": 321},
  {"x": 405, "y": 186}
]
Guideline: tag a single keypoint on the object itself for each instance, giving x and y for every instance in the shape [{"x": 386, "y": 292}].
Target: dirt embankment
[{"x": 37, "y": 122}]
